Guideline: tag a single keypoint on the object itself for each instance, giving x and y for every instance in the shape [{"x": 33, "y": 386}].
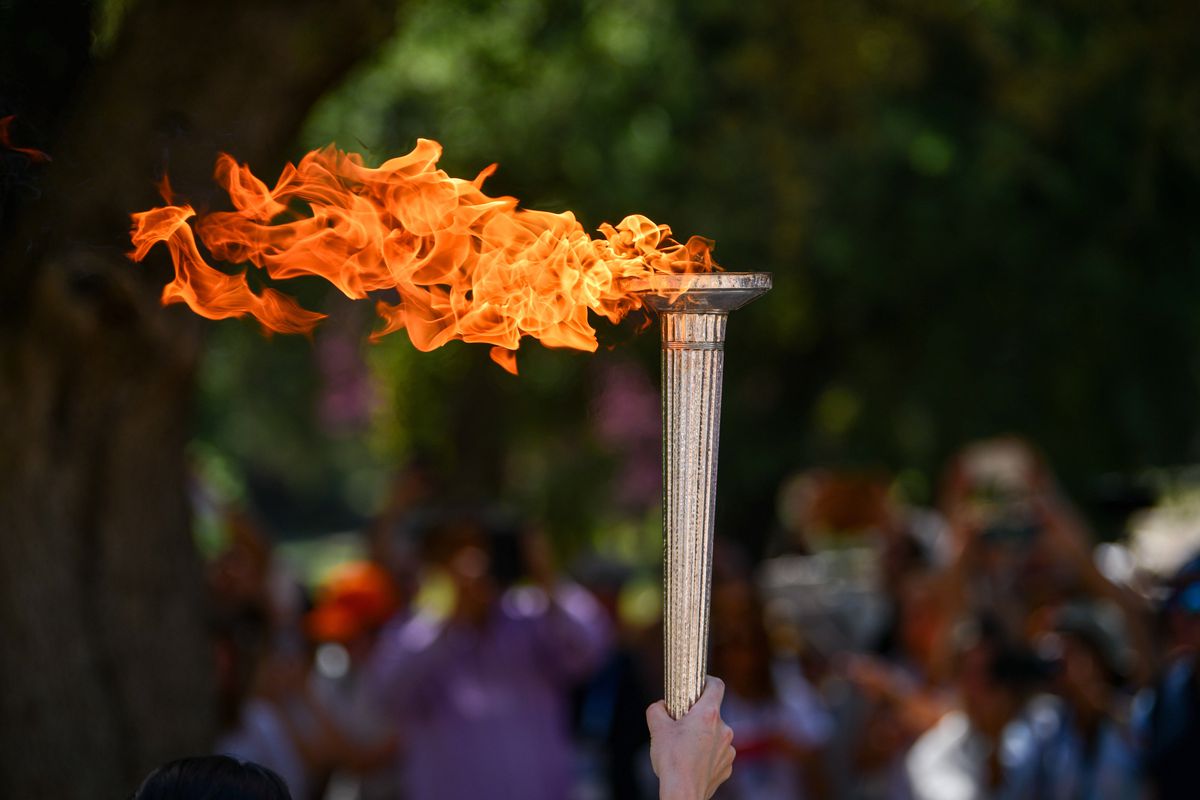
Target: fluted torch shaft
[
  {"x": 693, "y": 359},
  {"x": 693, "y": 310}
]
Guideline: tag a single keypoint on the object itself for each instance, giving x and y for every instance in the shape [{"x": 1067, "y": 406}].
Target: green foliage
[{"x": 981, "y": 217}]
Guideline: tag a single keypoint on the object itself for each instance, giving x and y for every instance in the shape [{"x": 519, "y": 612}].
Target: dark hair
[
  {"x": 1102, "y": 638},
  {"x": 1010, "y": 663},
  {"x": 212, "y": 778}
]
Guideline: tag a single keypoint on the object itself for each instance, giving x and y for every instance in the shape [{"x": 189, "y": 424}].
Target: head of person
[
  {"x": 995, "y": 676},
  {"x": 997, "y": 491},
  {"x": 462, "y": 549},
  {"x": 212, "y": 778},
  {"x": 988, "y": 474},
  {"x": 1090, "y": 657},
  {"x": 353, "y": 604}
]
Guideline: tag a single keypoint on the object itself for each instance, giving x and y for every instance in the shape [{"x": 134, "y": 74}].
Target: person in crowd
[
  {"x": 983, "y": 749},
  {"x": 285, "y": 725},
  {"x": 1087, "y": 749},
  {"x": 239, "y": 608},
  {"x": 1170, "y": 716},
  {"x": 307, "y": 726},
  {"x": 610, "y": 728},
  {"x": 390, "y": 535},
  {"x": 1021, "y": 550},
  {"x": 779, "y": 722},
  {"x": 212, "y": 778},
  {"x": 353, "y": 604},
  {"x": 479, "y": 694},
  {"x": 899, "y": 691}
]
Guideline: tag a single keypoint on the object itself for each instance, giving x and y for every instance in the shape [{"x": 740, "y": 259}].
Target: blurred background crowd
[{"x": 991, "y": 646}]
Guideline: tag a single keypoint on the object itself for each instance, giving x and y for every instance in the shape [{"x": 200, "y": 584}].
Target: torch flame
[{"x": 464, "y": 265}]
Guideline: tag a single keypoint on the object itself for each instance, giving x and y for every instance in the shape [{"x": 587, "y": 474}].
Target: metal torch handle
[{"x": 693, "y": 360}]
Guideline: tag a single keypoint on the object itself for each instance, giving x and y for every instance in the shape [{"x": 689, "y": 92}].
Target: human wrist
[{"x": 677, "y": 789}]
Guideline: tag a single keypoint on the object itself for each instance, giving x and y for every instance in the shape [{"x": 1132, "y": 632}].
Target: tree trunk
[{"x": 106, "y": 667}]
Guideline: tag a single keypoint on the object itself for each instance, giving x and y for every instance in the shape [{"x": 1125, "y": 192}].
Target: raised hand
[{"x": 693, "y": 755}]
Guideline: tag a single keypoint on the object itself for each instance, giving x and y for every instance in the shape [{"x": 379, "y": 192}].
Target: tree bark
[{"x": 106, "y": 667}]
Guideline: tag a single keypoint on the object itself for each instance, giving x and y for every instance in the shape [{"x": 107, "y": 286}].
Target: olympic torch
[{"x": 693, "y": 310}]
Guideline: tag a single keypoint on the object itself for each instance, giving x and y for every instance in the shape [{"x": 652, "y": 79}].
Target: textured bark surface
[{"x": 106, "y": 669}]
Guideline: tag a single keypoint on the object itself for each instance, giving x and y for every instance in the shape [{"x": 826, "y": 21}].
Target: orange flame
[
  {"x": 36, "y": 156},
  {"x": 465, "y": 265}
]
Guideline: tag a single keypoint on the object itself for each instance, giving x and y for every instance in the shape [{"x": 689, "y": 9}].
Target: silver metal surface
[
  {"x": 693, "y": 311},
  {"x": 704, "y": 291}
]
